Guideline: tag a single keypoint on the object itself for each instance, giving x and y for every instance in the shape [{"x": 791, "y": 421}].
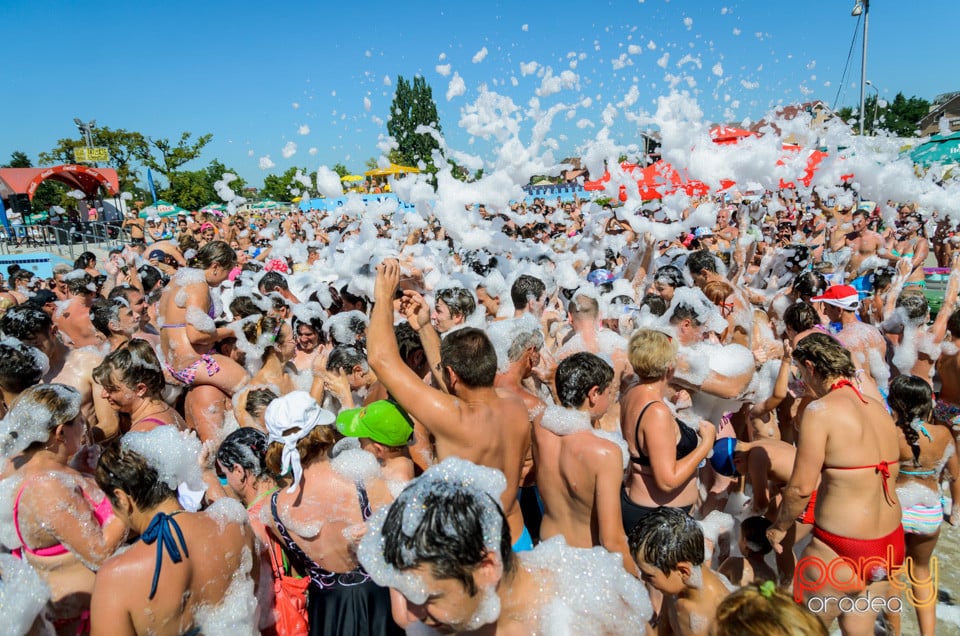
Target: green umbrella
[
  {"x": 214, "y": 207},
  {"x": 942, "y": 149},
  {"x": 268, "y": 204},
  {"x": 162, "y": 209}
]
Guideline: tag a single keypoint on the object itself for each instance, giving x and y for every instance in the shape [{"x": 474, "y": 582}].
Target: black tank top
[{"x": 688, "y": 440}]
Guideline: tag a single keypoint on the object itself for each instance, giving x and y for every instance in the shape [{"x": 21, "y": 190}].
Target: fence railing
[{"x": 64, "y": 239}]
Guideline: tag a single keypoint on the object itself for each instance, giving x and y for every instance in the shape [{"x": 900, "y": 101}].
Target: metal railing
[{"x": 65, "y": 239}]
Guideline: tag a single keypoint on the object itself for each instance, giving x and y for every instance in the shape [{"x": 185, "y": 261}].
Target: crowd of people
[{"x": 368, "y": 422}]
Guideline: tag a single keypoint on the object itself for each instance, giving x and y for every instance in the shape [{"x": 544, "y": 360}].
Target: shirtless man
[
  {"x": 115, "y": 320},
  {"x": 137, "y": 227},
  {"x": 865, "y": 342},
  {"x": 580, "y": 472},
  {"x": 849, "y": 443},
  {"x": 523, "y": 356},
  {"x": 73, "y": 320},
  {"x": 864, "y": 244},
  {"x": 189, "y": 572},
  {"x": 138, "y": 304},
  {"x": 384, "y": 430},
  {"x": 469, "y": 365},
  {"x": 73, "y": 367},
  {"x": 444, "y": 549}
]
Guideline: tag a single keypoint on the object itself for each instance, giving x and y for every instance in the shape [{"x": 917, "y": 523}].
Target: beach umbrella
[
  {"x": 214, "y": 207},
  {"x": 942, "y": 149},
  {"x": 162, "y": 209},
  {"x": 351, "y": 177},
  {"x": 392, "y": 169}
]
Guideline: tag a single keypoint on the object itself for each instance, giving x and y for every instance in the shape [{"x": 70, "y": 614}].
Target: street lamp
[
  {"x": 862, "y": 6},
  {"x": 876, "y": 106},
  {"x": 86, "y": 129}
]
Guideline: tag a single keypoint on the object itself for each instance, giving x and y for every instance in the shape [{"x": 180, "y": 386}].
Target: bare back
[{"x": 189, "y": 593}]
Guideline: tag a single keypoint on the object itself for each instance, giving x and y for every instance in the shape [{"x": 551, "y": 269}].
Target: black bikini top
[{"x": 687, "y": 444}]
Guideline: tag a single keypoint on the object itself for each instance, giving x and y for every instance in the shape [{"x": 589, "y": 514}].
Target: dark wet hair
[
  {"x": 257, "y": 402},
  {"x": 79, "y": 285},
  {"x": 85, "y": 260},
  {"x": 579, "y": 373},
  {"x": 801, "y": 316},
  {"x": 24, "y": 322},
  {"x": 449, "y": 537},
  {"x": 246, "y": 447},
  {"x": 666, "y": 537},
  {"x": 882, "y": 278},
  {"x": 315, "y": 323},
  {"x": 524, "y": 288},
  {"x": 911, "y": 398},
  {"x": 702, "y": 260},
  {"x": 471, "y": 355},
  {"x": 953, "y": 323},
  {"x": 245, "y": 306},
  {"x": 914, "y": 304},
  {"x": 346, "y": 357},
  {"x": 754, "y": 532},
  {"x": 809, "y": 284},
  {"x": 215, "y": 253},
  {"x": 671, "y": 275},
  {"x": 273, "y": 281},
  {"x": 135, "y": 362},
  {"x": 151, "y": 278},
  {"x": 829, "y": 357},
  {"x": 129, "y": 472},
  {"x": 458, "y": 300},
  {"x": 683, "y": 312},
  {"x": 480, "y": 262},
  {"x": 270, "y": 325},
  {"x": 359, "y": 302},
  {"x": 19, "y": 366},
  {"x": 103, "y": 312},
  {"x": 655, "y": 303}
]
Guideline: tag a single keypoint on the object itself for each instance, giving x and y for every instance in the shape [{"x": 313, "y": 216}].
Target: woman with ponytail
[{"x": 927, "y": 452}]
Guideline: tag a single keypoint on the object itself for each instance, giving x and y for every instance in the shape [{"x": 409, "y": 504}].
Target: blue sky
[{"x": 260, "y": 76}]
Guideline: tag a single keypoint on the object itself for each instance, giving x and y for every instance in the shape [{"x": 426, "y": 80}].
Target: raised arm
[{"x": 433, "y": 408}]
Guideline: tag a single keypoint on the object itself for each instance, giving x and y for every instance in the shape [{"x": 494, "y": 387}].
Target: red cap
[{"x": 842, "y": 296}]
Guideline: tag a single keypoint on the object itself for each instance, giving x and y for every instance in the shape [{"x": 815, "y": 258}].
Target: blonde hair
[
  {"x": 652, "y": 353},
  {"x": 761, "y": 610},
  {"x": 35, "y": 415}
]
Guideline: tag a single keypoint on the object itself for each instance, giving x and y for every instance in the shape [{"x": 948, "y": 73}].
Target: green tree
[
  {"x": 18, "y": 159},
  {"x": 173, "y": 156},
  {"x": 899, "y": 116},
  {"x": 126, "y": 150},
  {"x": 341, "y": 170},
  {"x": 280, "y": 188},
  {"x": 192, "y": 189},
  {"x": 413, "y": 106}
]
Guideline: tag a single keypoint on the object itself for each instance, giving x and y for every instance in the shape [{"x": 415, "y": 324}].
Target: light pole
[
  {"x": 862, "y": 6},
  {"x": 876, "y": 106},
  {"x": 86, "y": 129}
]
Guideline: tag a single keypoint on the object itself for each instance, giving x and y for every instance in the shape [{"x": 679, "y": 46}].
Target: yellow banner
[{"x": 90, "y": 155}]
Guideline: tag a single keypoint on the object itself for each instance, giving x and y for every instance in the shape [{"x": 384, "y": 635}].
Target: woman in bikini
[
  {"x": 62, "y": 524},
  {"x": 187, "y": 329},
  {"x": 271, "y": 340},
  {"x": 664, "y": 452},
  {"x": 927, "y": 456},
  {"x": 911, "y": 244},
  {"x": 132, "y": 382},
  {"x": 849, "y": 442},
  {"x": 190, "y": 572}
]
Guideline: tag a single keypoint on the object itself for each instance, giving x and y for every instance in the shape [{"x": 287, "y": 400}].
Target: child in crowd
[
  {"x": 667, "y": 545},
  {"x": 754, "y": 546}
]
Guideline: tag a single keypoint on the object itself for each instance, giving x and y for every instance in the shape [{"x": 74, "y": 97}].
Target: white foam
[
  {"x": 175, "y": 455},
  {"x": 23, "y": 596}
]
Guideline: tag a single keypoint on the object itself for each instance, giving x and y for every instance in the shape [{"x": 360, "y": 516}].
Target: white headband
[{"x": 289, "y": 419}]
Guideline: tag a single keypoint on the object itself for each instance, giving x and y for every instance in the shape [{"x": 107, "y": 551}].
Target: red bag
[{"x": 290, "y": 596}]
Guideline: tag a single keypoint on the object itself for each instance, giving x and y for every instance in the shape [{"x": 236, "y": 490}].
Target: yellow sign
[{"x": 90, "y": 155}]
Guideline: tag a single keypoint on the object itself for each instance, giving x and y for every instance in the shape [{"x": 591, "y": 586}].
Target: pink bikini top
[{"x": 102, "y": 512}]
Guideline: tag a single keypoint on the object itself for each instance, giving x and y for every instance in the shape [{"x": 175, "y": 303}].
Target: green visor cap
[{"x": 382, "y": 421}]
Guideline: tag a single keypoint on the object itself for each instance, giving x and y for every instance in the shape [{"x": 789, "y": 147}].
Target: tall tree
[
  {"x": 341, "y": 170},
  {"x": 413, "y": 106},
  {"x": 192, "y": 189},
  {"x": 18, "y": 159},
  {"x": 173, "y": 156}
]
